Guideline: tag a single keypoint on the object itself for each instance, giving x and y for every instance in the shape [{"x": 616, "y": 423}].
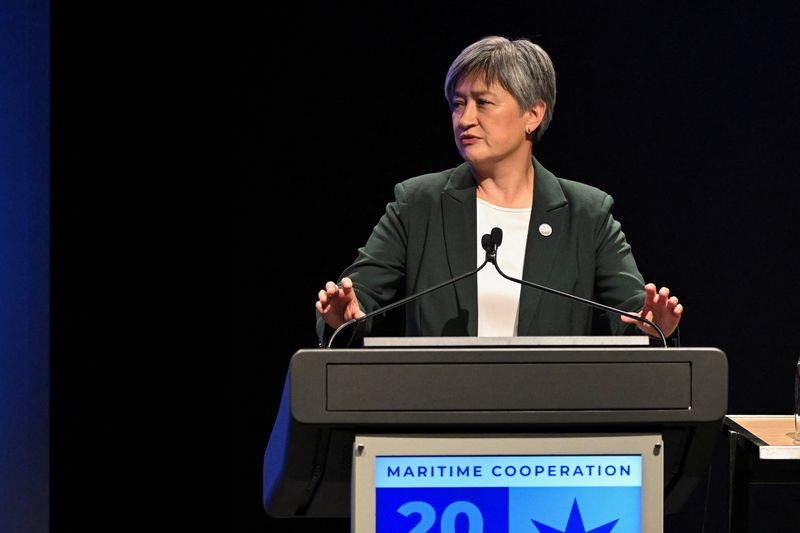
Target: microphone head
[
  {"x": 497, "y": 236},
  {"x": 486, "y": 241}
]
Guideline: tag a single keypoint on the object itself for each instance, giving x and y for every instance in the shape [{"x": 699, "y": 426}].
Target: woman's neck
[{"x": 509, "y": 187}]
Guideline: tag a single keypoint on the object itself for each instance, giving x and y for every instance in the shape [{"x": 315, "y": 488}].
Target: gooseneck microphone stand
[
  {"x": 491, "y": 256},
  {"x": 486, "y": 242}
]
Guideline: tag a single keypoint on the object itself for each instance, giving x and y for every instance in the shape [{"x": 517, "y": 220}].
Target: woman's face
[{"x": 488, "y": 125}]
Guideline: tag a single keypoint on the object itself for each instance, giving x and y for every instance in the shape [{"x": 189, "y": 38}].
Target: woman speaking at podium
[{"x": 557, "y": 233}]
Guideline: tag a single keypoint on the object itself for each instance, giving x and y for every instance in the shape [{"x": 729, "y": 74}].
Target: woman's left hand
[{"x": 659, "y": 308}]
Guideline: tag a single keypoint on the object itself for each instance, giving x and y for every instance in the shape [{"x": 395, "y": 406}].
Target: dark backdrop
[
  {"x": 138, "y": 268},
  {"x": 686, "y": 114}
]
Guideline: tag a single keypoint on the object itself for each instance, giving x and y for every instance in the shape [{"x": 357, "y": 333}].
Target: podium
[{"x": 497, "y": 402}]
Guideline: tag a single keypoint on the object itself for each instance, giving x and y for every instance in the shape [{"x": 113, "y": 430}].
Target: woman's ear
[{"x": 534, "y": 116}]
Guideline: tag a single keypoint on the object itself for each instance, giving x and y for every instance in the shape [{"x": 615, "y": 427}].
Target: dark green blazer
[{"x": 428, "y": 235}]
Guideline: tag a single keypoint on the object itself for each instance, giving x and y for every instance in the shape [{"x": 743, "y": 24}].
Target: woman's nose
[{"x": 467, "y": 117}]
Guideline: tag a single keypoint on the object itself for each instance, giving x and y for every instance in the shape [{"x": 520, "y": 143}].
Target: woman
[{"x": 557, "y": 233}]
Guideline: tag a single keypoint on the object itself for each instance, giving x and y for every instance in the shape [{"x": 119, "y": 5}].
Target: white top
[{"x": 498, "y": 298}]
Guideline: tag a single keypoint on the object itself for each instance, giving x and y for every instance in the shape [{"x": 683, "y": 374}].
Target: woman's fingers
[
  {"x": 326, "y": 297},
  {"x": 331, "y": 288},
  {"x": 672, "y": 303}
]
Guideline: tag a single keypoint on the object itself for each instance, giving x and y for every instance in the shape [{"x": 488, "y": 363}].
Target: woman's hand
[
  {"x": 659, "y": 308},
  {"x": 338, "y": 305}
]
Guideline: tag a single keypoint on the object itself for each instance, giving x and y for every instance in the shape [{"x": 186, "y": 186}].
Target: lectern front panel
[{"x": 508, "y": 387}]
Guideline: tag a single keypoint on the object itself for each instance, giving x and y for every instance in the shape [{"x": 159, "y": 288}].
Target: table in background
[{"x": 764, "y": 453}]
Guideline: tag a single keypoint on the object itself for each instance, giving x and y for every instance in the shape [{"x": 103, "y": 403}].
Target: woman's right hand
[{"x": 338, "y": 305}]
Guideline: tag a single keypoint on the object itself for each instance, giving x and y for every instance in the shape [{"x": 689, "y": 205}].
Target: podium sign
[{"x": 531, "y": 483}]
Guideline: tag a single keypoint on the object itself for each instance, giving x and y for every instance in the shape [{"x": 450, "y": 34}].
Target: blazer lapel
[
  {"x": 541, "y": 251},
  {"x": 460, "y": 230}
]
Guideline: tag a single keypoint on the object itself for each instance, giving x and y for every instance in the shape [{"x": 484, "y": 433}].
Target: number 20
[{"x": 428, "y": 516}]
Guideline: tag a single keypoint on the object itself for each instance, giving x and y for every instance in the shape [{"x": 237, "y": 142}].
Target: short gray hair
[{"x": 521, "y": 67}]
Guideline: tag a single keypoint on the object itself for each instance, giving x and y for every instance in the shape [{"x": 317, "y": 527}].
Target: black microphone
[
  {"x": 497, "y": 239},
  {"x": 488, "y": 244}
]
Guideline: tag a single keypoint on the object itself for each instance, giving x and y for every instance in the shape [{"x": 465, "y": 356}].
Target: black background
[{"x": 181, "y": 287}]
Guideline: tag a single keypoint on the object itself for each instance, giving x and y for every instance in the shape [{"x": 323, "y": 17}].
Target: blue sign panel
[{"x": 533, "y": 494}]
